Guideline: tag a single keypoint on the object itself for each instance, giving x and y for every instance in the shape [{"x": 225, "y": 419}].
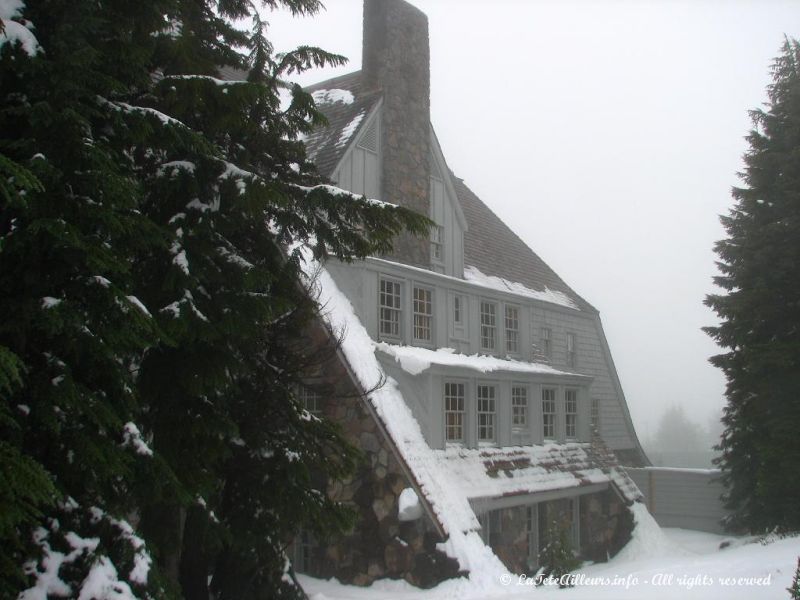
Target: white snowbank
[{"x": 647, "y": 539}]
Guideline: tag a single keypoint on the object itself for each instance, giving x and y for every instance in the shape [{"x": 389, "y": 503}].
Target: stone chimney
[{"x": 396, "y": 60}]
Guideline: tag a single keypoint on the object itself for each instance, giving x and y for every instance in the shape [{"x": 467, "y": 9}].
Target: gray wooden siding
[
  {"x": 359, "y": 170},
  {"x": 686, "y": 498},
  {"x": 360, "y": 283}
]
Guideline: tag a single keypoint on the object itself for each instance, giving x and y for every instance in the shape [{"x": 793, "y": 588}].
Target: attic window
[
  {"x": 369, "y": 139},
  {"x": 437, "y": 243}
]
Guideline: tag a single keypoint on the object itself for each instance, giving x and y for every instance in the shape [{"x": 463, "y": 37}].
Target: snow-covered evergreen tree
[
  {"x": 760, "y": 315},
  {"x": 151, "y": 225}
]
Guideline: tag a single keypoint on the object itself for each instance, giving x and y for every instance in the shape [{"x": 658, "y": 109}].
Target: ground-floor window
[{"x": 303, "y": 550}]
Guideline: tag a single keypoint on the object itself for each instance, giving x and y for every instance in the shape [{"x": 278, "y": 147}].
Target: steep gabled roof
[
  {"x": 489, "y": 244},
  {"x": 493, "y": 248},
  {"x": 344, "y": 103}
]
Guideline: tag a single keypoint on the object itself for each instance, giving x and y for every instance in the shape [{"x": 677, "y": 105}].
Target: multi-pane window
[
  {"x": 596, "y": 413},
  {"x": 519, "y": 406},
  {"x": 571, "y": 359},
  {"x": 549, "y": 413},
  {"x": 458, "y": 311},
  {"x": 423, "y": 314},
  {"x": 571, "y": 413},
  {"x": 512, "y": 329},
  {"x": 547, "y": 342},
  {"x": 390, "y": 308},
  {"x": 488, "y": 325},
  {"x": 437, "y": 243},
  {"x": 486, "y": 413},
  {"x": 454, "y": 411},
  {"x": 311, "y": 401}
]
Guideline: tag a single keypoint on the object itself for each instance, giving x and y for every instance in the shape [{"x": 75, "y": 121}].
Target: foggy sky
[{"x": 608, "y": 136}]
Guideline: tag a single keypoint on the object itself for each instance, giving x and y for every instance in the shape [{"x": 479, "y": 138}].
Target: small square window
[{"x": 311, "y": 401}]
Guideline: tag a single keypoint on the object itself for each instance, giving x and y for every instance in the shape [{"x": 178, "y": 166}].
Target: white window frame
[
  {"x": 549, "y": 417},
  {"x": 394, "y": 313},
  {"x": 571, "y": 413},
  {"x": 486, "y": 410},
  {"x": 520, "y": 409},
  {"x": 488, "y": 330},
  {"x": 512, "y": 332},
  {"x": 422, "y": 321},
  {"x": 458, "y": 411}
]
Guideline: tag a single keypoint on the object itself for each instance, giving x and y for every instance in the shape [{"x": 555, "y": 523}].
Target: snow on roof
[
  {"x": 474, "y": 275},
  {"x": 442, "y": 475},
  {"x": 491, "y": 472},
  {"x": 415, "y": 360},
  {"x": 349, "y": 130},
  {"x": 333, "y": 96}
]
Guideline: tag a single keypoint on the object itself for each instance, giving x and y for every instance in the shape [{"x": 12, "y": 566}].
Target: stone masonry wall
[
  {"x": 396, "y": 59},
  {"x": 380, "y": 545}
]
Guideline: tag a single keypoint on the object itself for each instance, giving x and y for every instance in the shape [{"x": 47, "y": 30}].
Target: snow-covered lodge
[{"x": 498, "y": 410}]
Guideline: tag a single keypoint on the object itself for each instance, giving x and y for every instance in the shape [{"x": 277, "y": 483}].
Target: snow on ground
[{"x": 659, "y": 564}]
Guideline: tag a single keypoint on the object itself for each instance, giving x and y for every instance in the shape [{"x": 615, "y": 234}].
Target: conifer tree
[
  {"x": 151, "y": 229},
  {"x": 760, "y": 315}
]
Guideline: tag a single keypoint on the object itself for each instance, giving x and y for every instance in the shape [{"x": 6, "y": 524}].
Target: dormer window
[
  {"x": 512, "y": 329},
  {"x": 423, "y": 314},
  {"x": 437, "y": 243},
  {"x": 571, "y": 413},
  {"x": 488, "y": 326}
]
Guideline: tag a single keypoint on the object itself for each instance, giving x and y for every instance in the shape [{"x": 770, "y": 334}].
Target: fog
[{"x": 608, "y": 136}]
